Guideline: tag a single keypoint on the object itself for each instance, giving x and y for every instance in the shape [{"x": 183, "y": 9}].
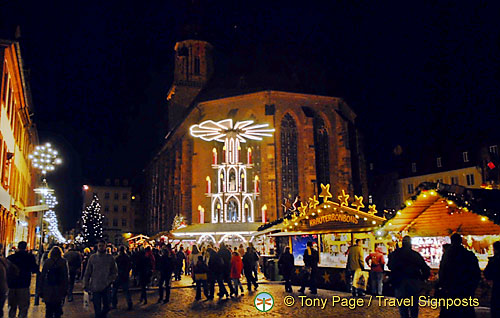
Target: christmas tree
[
  {"x": 92, "y": 222},
  {"x": 178, "y": 222}
]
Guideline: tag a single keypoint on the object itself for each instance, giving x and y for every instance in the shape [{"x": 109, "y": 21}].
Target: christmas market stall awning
[
  {"x": 194, "y": 230},
  {"x": 328, "y": 216},
  {"x": 441, "y": 210}
]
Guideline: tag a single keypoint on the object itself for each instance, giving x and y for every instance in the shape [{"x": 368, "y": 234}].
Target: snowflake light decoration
[
  {"x": 242, "y": 130},
  {"x": 44, "y": 158}
]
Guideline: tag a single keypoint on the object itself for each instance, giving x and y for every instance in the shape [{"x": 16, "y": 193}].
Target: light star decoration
[
  {"x": 325, "y": 192},
  {"x": 326, "y": 277},
  {"x": 344, "y": 199},
  {"x": 210, "y": 130},
  {"x": 313, "y": 202},
  {"x": 358, "y": 202},
  {"x": 372, "y": 209},
  {"x": 302, "y": 209}
]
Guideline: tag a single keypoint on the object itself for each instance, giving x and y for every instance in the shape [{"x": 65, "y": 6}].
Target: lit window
[
  {"x": 414, "y": 167},
  {"x": 465, "y": 155},
  {"x": 470, "y": 179},
  {"x": 410, "y": 188},
  {"x": 494, "y": 149},
  {"x": 438, "y": 162}
]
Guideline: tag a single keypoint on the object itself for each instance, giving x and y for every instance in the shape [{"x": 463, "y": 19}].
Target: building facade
[
  {"x": 18, "y": 136},
  {"x": 116, "y": 202},
  {"x": 306, "y": 140}
]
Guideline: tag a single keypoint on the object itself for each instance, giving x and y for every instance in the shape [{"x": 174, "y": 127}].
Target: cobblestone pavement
[{"x": 182, "y": 304}]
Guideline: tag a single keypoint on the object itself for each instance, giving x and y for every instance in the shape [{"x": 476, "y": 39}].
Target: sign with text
[{"x": 334, "y": 217}]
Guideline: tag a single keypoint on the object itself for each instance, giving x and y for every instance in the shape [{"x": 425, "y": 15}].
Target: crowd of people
[{"x": 105, "y": 269}]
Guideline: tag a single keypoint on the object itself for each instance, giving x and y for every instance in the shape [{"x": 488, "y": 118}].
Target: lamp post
[{"x": 44, "y": 159}]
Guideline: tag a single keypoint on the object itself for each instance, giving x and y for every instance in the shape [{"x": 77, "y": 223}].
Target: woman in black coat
[
  {"x": 54, "y": 286},
  {"x": 286, "y": 267}
]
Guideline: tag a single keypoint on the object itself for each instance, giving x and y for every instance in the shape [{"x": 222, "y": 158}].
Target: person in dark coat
[
  {"x": 200, "y": 274},
  {"x": 286, "y": 268},
  {"x": 225, "y": 273},
  {"x": 408, "y": 272},
  {"x": 248, "y": 264},
  {"x": 492, "y": 272},
  {"x": 180, "y": 258},
  {"x": 144, "y": 269},
  {"x": 459, "y": 276},
  {"x": 74, "y": 259},
  {"x": 214, "y": 268},
  {"x": 166, "y": 267},
  {"x": 311, "y": 260},
  {"x": 124, "y": 266},
  {"x": 19, "y": 285},
  {"x": 54, "y": 283}
]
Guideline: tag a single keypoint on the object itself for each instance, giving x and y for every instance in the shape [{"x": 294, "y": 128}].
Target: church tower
[{"x": 193, "y": 69}]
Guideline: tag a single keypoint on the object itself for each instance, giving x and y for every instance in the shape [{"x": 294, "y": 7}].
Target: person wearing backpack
[
  {"x": 19, "y": 284},
  {"x": 376, "y": 262},
  {"x": 54, "y": 283}
]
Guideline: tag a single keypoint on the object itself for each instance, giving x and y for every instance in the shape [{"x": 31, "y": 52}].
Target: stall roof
[
  {"x": 441, "y": 210},
  {"x": 217, "y": 228}
]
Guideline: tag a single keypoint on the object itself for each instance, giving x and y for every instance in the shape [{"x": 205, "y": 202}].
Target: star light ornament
[{"x": 44, "y": 158}]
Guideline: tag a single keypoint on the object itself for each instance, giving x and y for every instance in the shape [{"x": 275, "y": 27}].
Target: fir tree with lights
[
  {"x": 178, "y": 222},
  {"x": 92, "y": 222}
]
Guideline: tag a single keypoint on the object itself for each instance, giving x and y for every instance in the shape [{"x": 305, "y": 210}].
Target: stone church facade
[{"x": 314, "y": 141}]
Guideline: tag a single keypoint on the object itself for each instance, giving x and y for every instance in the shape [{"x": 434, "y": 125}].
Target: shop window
[
  {"x": 289, "y": 162},
  {"x": 333, "y": 249},
  {"x": 321, "y": 149},
  {"x": 470, "y": 179},
  {"x": 411, "y": 189},
  {"x": 299, "y": 243}
]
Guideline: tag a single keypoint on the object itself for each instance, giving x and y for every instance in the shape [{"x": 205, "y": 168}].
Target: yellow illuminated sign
[{"x": 334, "y": 217}]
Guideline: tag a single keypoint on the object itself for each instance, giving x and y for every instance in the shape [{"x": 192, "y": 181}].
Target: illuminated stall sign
[{"x": 334, "y": 217}]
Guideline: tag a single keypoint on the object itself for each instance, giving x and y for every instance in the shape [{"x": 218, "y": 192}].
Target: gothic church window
[
  {"x": 289, "y": 162},
  {"x": 321, "y": 149}
]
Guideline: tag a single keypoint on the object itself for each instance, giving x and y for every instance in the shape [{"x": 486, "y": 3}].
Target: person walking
[
  {"x": 236, "y": 268},
  {"x": 354, "y": 262},
  {"x": 54, "y": 283},
  {"x": 248, "y": 263},
  {"x": 459, "y": 276},
  {"x": 311, "y": 260},
  {"x": 124, "y": 266},
  {"x": 100, "y": 273},
  {"x": 193, "y": 259},
  {"x": 492, "y": 272},
  {"x": 5, "y": 267},
  {"x": 166, "y": 268},
  {"x": 19, "y": 285},
  {"x": 144, "y": 268},
  {"x": 214, "y": 267},
  {"x": 200, "y": 275},
  {"x": 286, "y": 267},
  {"x": 376, "y": 262},
  {"x": 180, "y": 258},
  {"x": 255, "y": 265},
  {"x": 225, "y": 274},
  {"x": 74, "y": 259},
  {"x": 408, "y": 272},
  {"x": 85, "y": 260}
]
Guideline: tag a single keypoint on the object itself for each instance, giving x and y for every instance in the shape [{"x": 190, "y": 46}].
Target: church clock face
[{"x": 231, "y": 202}]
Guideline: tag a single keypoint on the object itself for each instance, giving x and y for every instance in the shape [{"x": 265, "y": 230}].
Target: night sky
[{"x": 417, "y": 74}]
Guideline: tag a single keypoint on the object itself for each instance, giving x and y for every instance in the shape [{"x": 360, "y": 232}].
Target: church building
[{"x": 233, "y": 157}]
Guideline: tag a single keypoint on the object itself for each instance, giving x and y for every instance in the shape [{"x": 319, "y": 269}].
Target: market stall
[
  {"x": 439, "y": 210},
  {"x": 332, "y": 227}
]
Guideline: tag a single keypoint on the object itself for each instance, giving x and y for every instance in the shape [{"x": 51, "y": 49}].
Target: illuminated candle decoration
[
  {"x": 249, "y": 156},
  {"x": 202, "y": 214},
  {"x": 264, "y": 213},
  {"x": 214, "y": 156},
  {"x": 209, "y": 185},
  {"x": 256, "y": 184}
]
